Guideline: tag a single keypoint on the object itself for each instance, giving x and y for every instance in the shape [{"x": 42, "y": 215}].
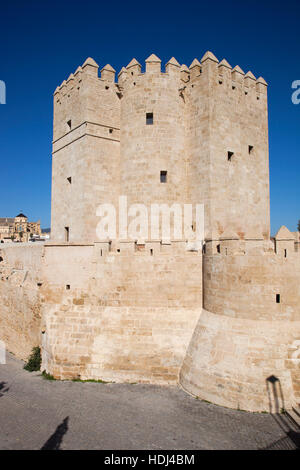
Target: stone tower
[
  {"x": 227, "y": 146},
  {"x": 186, "y": 135},
  {"x": 86, "y": 151}
]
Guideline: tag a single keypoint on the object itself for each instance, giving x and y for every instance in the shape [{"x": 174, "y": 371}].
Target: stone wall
[
  {"x": 148, "y": 149},
  {"x": 124, "y": 313},
  {"x": 20, "y": 302},
  {"x": 246, "y": 333}
]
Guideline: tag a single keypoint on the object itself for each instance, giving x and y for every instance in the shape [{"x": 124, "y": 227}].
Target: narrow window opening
[
  {"x": 151, "y": 251},
  {"x": 134, "y": 83},
  {"x": 257, "y": 97},
  {"x": 70, "y": 179},
  {"x": 118, "y": 250},
  {"x": 220, "y": 82},
  {"x": 67, "y": 234},
  {"x": 250, "y": 149},
  {"x": 233, "y": 87},
  {"x": 149, "y": 118},
  {"x": 39, "y": 284},
  {"x": 163, "y": 176},
  {"x": 218, "y": 248},
  {"x": 204, "y": 249},
  {"x": 230, "y": 155},
  {"x": 246, "y": 92},
  {"x": 1, "y": 259},
  {"x": 285, "y": 253},
  {"x": 107, "y": 88},
  {"x": 278, "y": 298},
  {"x": 100, "y": 252},
  {"x": 131, "y": 73},
  {"x": 69, "y": 124},
  {"x": 68, "y": 287},
  {"x": 110, "y": 131}
]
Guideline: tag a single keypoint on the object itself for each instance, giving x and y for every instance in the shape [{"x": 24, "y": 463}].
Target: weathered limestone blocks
[
  {"x": 119, "y": 344},
  {"x": 20, "y": 301},
  {"x": 230, "y": 359},
  {"x": 120, "y": 311},
  {"x": 250, "y": 326}
]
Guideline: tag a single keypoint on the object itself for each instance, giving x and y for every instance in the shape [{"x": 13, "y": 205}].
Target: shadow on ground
[
  {"x": 3, "y": 388},
  {"x": 291, "y": 440},
  {"x": 54, "y": 442}
]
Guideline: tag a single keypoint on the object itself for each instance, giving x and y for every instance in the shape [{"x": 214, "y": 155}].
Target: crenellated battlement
[
  {"x": 221, "y": 73},
  {"x": 221, "y": 78},
  {"x": 283, "y": 245}
]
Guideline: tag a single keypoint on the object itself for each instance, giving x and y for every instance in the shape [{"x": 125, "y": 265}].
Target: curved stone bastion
[{"x": 249, "y": 332}]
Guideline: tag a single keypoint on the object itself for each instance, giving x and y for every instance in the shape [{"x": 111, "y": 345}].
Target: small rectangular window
[
  {"x": 70, "y": 179},
  {"x": 163, "y": 176},
  {"x": 149, "y": 118},
  {"x": 67, "y": 234},
  {"x": 250, "y": 149},
  {"x": 68, "y": 287},
  {"x": 230, "y": 155},
  {"x": 69, "y": 124},
  {"x": 278, "y": 298}
]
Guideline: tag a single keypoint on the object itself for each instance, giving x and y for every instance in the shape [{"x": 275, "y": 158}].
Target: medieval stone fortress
[{"x": 221, "y": 320}]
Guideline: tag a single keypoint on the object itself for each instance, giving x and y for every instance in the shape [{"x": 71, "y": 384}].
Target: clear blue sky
[{"x": 42, "y": 42}]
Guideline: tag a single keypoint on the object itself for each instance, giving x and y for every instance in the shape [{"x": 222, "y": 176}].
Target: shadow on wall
[
  {"x": 275, "y": 395},
  {"x": 54, "y": 442},
  {"x": 3, "y": 388},
  {"x": 291, "y": 429}
]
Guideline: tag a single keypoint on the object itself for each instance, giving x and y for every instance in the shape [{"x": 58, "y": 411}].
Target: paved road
[{"x": 39, "y": 414}]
